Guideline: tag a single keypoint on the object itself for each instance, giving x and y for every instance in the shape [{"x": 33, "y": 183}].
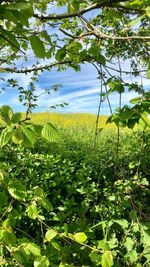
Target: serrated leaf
[
  {"x": 32, "y": 211},
  {"x": 7, "y": 236},
  {"x": 107, "y": 259},
  {"x": 50, "y": 133},
  {"x": 6, "y": 136},
  {"x": 80, "y": 237},
  {"x": 102, "y": 244},
  {"x": 17, "y": 190},
  {"x": 33, "y": 248},
  {"x": 17, "y": 136},
  {"x": 37, "y": 46},
  {"x": 41, "y": 261},
  {"x": 30, "y": 135},
  {"x": 95, "y": 256},
  {"x": 132, "y": 256},
  {"x": 50, "y": 234},
  {"x": 129, "y": 244},
  {"x": 6, "y": 113}
]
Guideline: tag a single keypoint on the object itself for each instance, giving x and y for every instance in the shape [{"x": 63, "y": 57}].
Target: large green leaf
[
  {"x": 17, "y": 190},
  {"x": 7, "y": 236},
  {"x": 50, "y": 133},
  {"x": 41, "y": 261},
  {"x": 80, "y": 237},
  {"x": 6, "y": 113},
  {"x": 107, "y": 259},
  {"x": 18, "y": 136},
  {"x": 37, "y": 46},
  {"x": 29, "y": 134},
  {"x": 6, "y": 136},
  {"x": 50, "y": 234},
  {"x": 32, "y": 211}
]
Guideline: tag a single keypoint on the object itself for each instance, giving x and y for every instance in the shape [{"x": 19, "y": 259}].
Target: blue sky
[{"x": 79, "y": 89}]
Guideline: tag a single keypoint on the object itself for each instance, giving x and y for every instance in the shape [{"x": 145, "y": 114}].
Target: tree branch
[
  {"x": 40, "y": 68},
  {"x": 100, "y": 35},
  {"x": 104, "y": 3}
]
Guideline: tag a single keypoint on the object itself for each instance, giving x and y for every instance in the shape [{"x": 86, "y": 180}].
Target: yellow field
[{"x": 78, "y": 120}]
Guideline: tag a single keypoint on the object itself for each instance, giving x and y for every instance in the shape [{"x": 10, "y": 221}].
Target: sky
[{"x": 81, "y": 90}]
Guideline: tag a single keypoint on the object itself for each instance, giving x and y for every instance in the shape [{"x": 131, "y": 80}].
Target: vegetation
[{"x": 75, "y": 196}]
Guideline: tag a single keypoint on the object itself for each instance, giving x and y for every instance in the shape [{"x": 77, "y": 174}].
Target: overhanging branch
[
  {"x": 104, "y": 3},
  {"x": 40, "y": 68},
  {"x": 100, "y": 35}
]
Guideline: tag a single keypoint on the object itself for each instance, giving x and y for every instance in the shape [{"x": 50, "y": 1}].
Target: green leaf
[
  {"x": 103, "y": 244},
  {"x": 148, "y": 73},
  {"x": 33, "y": 248},
  {"x": 95, "y": 256},
  {"x": 41, "y": 261},
  {"x": 16, "y": 117},
  {"x": 6, "y": 113},
  {"x": 49, "y": 132},
  {"x": 18, "y": 136},
  {"x": 32, "y": 211},
  {"x": 145, "y": 239},
  {"x": 80, "y": 237},
  {"x": 135, "y": 21},
  {"x": 116, "y": 85},
  {"x": 50, "y": 234},
  {"x": 129, "y": 244},
  {"x": 17, "y": 190},
  {"x": 56, "y": 246},
  {"x": 135, "y": 100},
  {"x": 20, "y": 6},
  {"x": 30, "y": 135},
  {"x": 6, "y": 136},
  {"x": 144, "y": 121},
  {"x": 132, "y": 256},
  {"x": 7, "y": 236},
  {"x": 3, "y": 199},
  {"x": 10, "y": 39},
  {"x": 45, "y": 203},
  {"x": 101, "y": 59},
  {"x": 37, "y": 46},
  {"x": 60, "y": 55},
  {"x": 107, "y": 259},
  {"x": 122, "y": 222}
]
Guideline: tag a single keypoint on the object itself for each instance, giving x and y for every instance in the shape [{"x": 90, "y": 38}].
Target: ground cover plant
[{"x": 61, "y": 206}]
